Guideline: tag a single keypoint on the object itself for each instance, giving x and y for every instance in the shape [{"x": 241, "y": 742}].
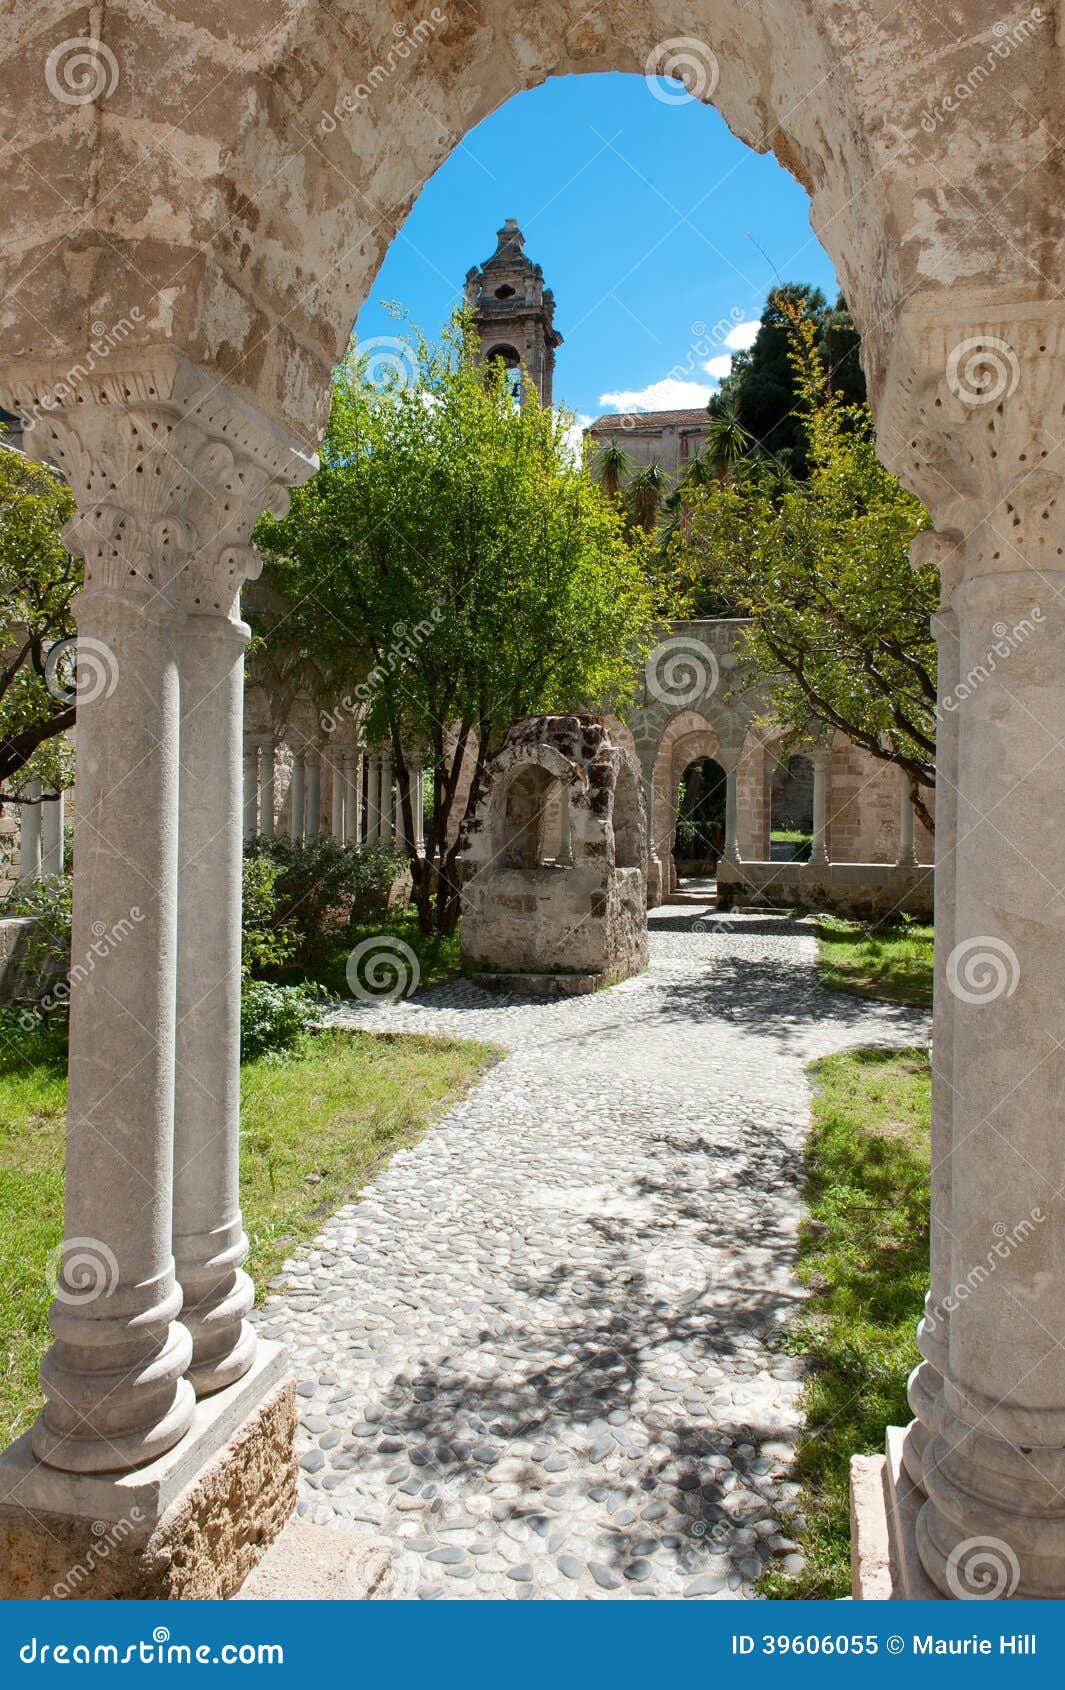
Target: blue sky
[{"x": 644, "y": 212}]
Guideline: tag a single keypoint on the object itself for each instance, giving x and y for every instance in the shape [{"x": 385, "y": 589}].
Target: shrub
[
  {"x": 265, "y": 941},
  {"x": 45, "y": 957},
  {"x": 323, "y": 886},
  {"x": 275, "y": 1018}
]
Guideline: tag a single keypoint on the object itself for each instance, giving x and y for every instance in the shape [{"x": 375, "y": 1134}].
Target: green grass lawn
[
  {"x": 334, "y": 1109},
  {"x": 864, "y": 1254},
  {"x": 877, "y": 962}
]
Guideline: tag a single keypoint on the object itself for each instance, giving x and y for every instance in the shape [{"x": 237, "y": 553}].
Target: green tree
[
  {"x": 761, "y": 397},
  {"x": 452, "y": 552},
  {"x": 839, "y": 625},
  {"x": 38, "y": 581}
]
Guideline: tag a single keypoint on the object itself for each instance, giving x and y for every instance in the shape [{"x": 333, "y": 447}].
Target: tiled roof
[{"x": 630, "y": 420}]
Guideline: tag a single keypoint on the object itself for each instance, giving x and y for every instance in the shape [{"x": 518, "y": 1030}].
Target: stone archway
[{"x": 172, "y": 313}]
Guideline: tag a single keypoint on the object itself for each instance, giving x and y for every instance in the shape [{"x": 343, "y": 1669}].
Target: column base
[
  {"x": 885, "y": 1503},
  {"x": 191, "y": 1525}
]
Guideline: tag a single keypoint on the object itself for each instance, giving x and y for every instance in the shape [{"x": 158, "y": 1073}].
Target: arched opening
[
  {"x": 699, "y": 837},
  {"x": 792, "y": 810},
  {"x": 529, "y": 802}
]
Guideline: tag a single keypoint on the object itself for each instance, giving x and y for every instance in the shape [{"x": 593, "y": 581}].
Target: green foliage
[
  {"x": 839, "y": 617},
  {"x": 451, "y": 545},
  {"x": 759, "y": 404},
  {"x": 45, "y": 957},
  {"x": 38, "y": 580},
  {"x": 275, "y": 1018},
  {"x": 303, "y": 892},
  {"x": 266, "y": 942}
]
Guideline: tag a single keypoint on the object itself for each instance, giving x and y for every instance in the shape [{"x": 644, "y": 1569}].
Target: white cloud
[
  {"x": 719, "y": 367},
  {"x": 742, "y": 336},
  {"x": 669, "y": 394}
]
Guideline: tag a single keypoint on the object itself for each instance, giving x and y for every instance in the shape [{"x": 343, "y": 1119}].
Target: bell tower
[{"x": 514, "y": 314}]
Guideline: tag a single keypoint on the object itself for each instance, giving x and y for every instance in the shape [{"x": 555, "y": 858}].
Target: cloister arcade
[{"x": 200, "y": 184}]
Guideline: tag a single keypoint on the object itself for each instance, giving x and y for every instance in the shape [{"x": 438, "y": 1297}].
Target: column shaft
[
  {"x": 29, "y": 838},
  {"x": 53, "y": 815},
  {"x": 114, "y": 1377},
  {"x": 907, "y": 853},
  {"x": 732, "y": 817},
  {"x": 267, "y": 753},
  {"x": 313, "y": 823},
  {"x": 819, "y": 846},
  {"x": 209, "y": 1240},
  {"x": 297, "y": 799}
]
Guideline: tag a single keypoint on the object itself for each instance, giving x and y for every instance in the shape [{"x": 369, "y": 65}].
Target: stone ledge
[
  {"x": 885, "y": 1503},
  {"x": 191, "y": 1525},
  {"x": 308, "y": 1563},
  {"x": 547, "y": 985}
]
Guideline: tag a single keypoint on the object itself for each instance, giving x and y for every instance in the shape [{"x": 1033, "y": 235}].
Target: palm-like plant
[
  {"x": 646, "y": 490},
  {"x": 612, "y": 469},
  {"x": 726, "y": 441}
]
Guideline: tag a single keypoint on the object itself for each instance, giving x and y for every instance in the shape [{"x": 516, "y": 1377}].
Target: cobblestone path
[{"x": 540, "y": 1355}]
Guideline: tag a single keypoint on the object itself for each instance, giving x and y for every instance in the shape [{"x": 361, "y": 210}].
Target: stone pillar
[
  {"x": 968, "y": 419},
  {"x": 907, "y": 851},
  {"x": 373, "y": 798},
  {"x": 926, "y": 1382},
  {"x": 336, "y": 797},
  {"x": 819, "y": 850},
  {"x": 313, "y": 818},
  {"x": 297, "y": 800},
  {"x": 169, "y": 471},
  {"x": 251, "y": 790},
  {"x": 731, "y": 852},
  {"x": 418, "y": 805},
  {"x": 53, "y": 813},
  {"x": 209, "y": 1239},
  {"x": 114, "y": 1379},
  {"x": 267, "y": 755},
  {"x": 29, "y": 838}
]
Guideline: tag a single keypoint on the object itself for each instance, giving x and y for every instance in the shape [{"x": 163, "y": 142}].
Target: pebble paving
[{"x": 542, "y": 1353}]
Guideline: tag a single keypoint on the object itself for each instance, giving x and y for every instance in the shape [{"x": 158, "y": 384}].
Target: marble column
[
  {"x": 907, "y": 852},
  {"x": 114, "y": 1378},
  {"x": 987, "y": 461},
  {"x": 53, "y": 815},
  {"x": 353, "y": 798},
  {"x": 819, "y": 847},
  {"x": 209, "y": 1240},
  {"x": 29, "y": 838},
  {"x": 926, "y": 1381},
  {"x": 731, "y": 852},
  {"x": 313, "y": 821},
  {"x": 250, "y": 769},
  {"x": 336, "y": 797},
  {"x": 373, "y": 798},
  {"x": 297, "y": 800},
  {"x": 267, "y": 757}
]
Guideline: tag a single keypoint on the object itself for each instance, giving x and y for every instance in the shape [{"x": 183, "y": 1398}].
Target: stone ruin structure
[
  {"x": 225, "y": 270},
  {"x": 554, "y": 885}
]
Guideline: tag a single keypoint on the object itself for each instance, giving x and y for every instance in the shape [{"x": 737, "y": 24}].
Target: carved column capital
[
  {"x": 170, "y": 471},
  {"x": 971, "y": 420}
]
